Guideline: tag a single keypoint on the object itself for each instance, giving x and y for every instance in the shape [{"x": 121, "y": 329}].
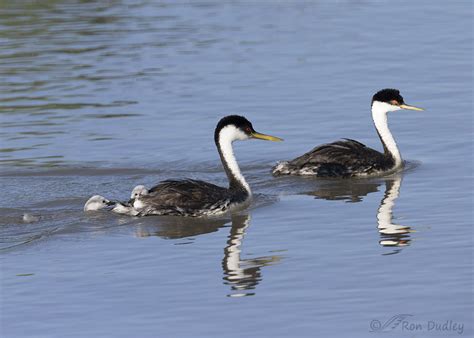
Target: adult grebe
[
  {"x": 197, "y": 198},
  {"x": 348, "y": 158}
]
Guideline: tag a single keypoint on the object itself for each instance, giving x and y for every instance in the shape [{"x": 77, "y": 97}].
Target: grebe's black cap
[
  {"x": 244, "y": 125},
  {"x": 388, "y": 95}
]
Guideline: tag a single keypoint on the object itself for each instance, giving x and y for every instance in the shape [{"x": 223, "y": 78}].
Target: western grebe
[
  {"x": 98, "y": 202},
  {"x": 126, "y": 208},
  {"x": 139, "y": 190},
  {"x": 348, "y": 158},
  {"x": 197, "y": 198}
]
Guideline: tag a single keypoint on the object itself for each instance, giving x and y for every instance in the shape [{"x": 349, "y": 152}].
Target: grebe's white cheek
[
  {"x": 231, "y": 133},
  {"x": 239, "y": 135},
  {"x": 242, "y": 136},
  {"x": 379, "y": 107}
]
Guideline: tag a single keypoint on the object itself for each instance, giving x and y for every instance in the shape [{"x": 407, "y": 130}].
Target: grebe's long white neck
[
  {"x": 385, "y": 216},
  {"x": 379, "y": 115},
  {"x": 227, "y": 135},
  {"x": 385, "y": 212},
  {"x": 232, "y": 259}
]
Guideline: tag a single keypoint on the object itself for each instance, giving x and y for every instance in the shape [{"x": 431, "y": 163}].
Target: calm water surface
[{"x": 97, "y": 97}]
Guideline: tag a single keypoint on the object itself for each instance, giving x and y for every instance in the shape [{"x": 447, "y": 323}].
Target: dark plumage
[
  {"x": 198, "y": 198},
  {"x": 338, "y": 159},
  {"x": 185, "y": 198},
  {"x": 347, "y": 158},
  {"x": 387, "y": 95}
]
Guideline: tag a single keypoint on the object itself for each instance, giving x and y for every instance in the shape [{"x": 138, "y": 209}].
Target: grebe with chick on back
[{"x": 198, "y": 198}]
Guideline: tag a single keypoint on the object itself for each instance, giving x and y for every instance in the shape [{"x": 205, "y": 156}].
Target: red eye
[{"x": 248, "y": 130}]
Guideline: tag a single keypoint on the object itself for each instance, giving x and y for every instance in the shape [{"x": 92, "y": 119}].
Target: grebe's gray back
[
  {"x": 348, "y": 158},
  {"x": 198, "y": 198}
]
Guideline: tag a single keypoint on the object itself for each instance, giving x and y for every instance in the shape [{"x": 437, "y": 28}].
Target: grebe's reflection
[
  {"x": 173, "y": 227},
  {"x": 392, "y": 235},
  {"x": 241, "y": 274},
  {"x": 350, "y": 190}
]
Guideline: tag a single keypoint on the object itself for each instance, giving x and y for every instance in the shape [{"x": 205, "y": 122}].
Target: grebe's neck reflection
[
  {"x": 354, "y": 191},
  {"x": 392, "y": 235},
  {"x": 242, "y": 275}
]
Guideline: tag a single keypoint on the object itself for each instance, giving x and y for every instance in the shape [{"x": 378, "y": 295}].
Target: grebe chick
[
  {"x": 97, "y": 202},
  {"x": 139, "y": 190}
]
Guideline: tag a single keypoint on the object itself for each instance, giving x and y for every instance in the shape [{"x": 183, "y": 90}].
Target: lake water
[{"x": 97, "y": 97}]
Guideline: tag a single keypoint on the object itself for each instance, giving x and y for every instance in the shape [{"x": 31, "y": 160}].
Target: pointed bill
[
  {"x": 407, "y": 106},
  {"x": 265, "y": 137}
]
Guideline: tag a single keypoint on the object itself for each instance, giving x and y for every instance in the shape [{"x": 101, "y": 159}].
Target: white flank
[
  {"x": 379, "y": 115},
  {"x": 227, "y": 135}
]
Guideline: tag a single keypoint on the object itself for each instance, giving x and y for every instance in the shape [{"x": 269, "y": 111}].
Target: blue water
[{"x": 97, "y": 97}]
